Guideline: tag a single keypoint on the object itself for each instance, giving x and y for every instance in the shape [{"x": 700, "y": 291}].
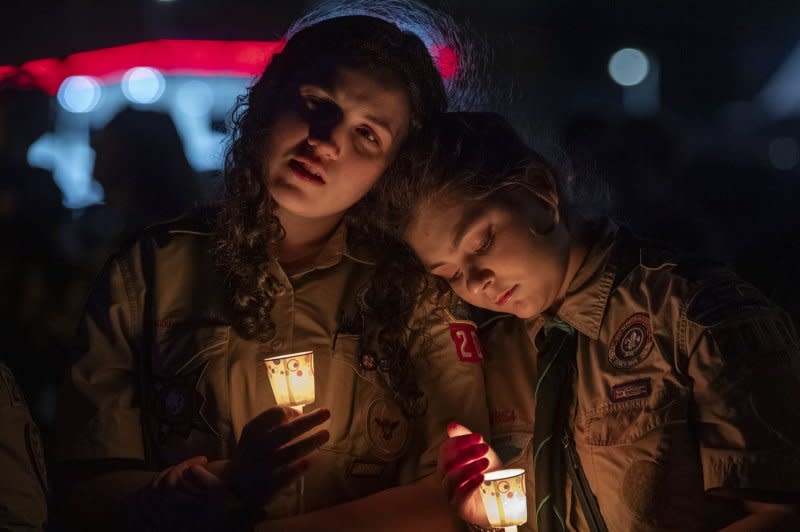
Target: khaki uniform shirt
[
  {"x": 23, "y": 478},
  {"x": 157, "y": 322},
  {"x": 686, "y": 382}
]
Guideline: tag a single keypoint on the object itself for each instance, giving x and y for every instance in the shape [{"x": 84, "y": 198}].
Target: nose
[
  {"x": 479, "y": 279},
  {"x": 324, "y": 146},
  {"x": 325, "y": 130}
]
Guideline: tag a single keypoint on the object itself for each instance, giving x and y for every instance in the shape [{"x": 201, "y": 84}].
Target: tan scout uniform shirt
[
  {"x": 156, "y": 321},
  {"x": 23, "y": 478},
  {"x": 685, "y": 381}
]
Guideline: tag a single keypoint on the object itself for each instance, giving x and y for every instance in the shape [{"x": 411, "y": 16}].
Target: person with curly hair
[
  {"x": 167, "y": 420},
  {"x": 639, "y": 389}
]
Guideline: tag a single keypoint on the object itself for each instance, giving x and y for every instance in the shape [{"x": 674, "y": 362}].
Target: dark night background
[{"x": 712, "y": 169}]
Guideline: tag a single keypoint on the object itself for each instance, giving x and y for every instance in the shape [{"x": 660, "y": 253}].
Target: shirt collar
[
  {"x": 332, "y": 251},
  {"x": 587, "y": 296}
]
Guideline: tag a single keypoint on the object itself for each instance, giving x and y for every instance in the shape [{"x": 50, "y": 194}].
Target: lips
[
  {"x": 505, "y": 296},
  {"x": 307, "y": 171}
]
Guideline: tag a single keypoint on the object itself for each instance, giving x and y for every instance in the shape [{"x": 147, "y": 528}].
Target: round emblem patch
[
  {"x": 387, "y": 428},
  {"x": 174, "y": 402},
  {"x": 632, "y": 342}
]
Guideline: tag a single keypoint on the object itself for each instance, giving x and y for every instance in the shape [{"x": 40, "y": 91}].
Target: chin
[
  {"x": 525, "y": 310},
  {"x": 525, "y": 315},
  {"x": 296, "y": 202}
]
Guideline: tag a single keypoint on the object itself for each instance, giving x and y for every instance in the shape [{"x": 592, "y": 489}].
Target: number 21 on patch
[{"x": 465, "y": 336}]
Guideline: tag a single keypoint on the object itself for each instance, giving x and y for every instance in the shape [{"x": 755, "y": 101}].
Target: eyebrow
[
  {"x": 468, "y": 219},
  {"x": 378, "y": 121},
  {"x": 382, "y": 123}
]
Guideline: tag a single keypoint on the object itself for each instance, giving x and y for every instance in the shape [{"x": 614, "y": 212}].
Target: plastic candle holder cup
[
  {"x": 503, "y": 494},
  {"x": 292, "y": 378}
]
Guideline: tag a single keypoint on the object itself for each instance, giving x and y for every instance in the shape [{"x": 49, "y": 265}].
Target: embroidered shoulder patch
[
  {"x": 631, "y": 343},
  {"x": 177, "y": 405},
  {"x": 465, "y": 338},
  {"x": 387, "y": 429}
]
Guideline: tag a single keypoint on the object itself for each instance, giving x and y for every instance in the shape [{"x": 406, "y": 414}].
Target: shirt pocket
[
  {"x": 189, "y": 402},
  {"x": 370, "y": 433},
  {"x": 626, "y": 422}
]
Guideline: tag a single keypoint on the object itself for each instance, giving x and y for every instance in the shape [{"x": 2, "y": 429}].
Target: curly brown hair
[{"x": 248, "y": 230}]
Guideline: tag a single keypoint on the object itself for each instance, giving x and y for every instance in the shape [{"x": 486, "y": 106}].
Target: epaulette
[
  {"x": 199, "y": 221},
  {"x": 632, "y": 251},
  {"x": 721, "y": 295}
]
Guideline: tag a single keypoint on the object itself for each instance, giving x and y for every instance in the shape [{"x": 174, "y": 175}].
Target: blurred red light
[
  {"x": 174, "y": 57},
  {"x": 171, "y": 57},
  {"x": 446, "y": 61}
]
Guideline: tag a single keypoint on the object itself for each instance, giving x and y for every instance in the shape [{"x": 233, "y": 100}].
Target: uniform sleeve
[
  {"x": 98, "y": 415},
  {"x": 449, "y": 370},
  {"x": 23, "y": 482},
  {"x": 743, "y": 356}
]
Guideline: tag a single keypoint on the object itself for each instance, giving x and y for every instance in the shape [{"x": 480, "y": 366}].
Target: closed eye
[
  {"x": 455, "y": 277},
  {"x": 486, "y": 245}
]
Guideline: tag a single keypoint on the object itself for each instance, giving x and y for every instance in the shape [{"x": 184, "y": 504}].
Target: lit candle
[
  {"x": 503, "y": 494},
  {"x": 292, "y": 378}
]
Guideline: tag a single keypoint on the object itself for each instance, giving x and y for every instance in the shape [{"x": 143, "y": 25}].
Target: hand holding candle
[
  {"x": 503, "y": 494},
  {"x": 463, "y": 459},
  {"x": 291, "y": 378},
  {"x": 268, "y": 458}
]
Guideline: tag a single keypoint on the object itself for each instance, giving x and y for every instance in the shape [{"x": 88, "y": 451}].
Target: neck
[
  {"x": 304, "y": 236},
  {"x": 578, "y": 249}
]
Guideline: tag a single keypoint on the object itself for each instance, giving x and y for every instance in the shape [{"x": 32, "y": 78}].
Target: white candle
[
  {"x": 503, "y": 494},
  {"x": 292, "y": 378}
]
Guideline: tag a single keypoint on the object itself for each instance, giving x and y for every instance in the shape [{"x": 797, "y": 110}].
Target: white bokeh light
[
  {"x": 628, "y": 67},
  {"x": 79, "y": 94},
  {"x": 143, "y": 85}
]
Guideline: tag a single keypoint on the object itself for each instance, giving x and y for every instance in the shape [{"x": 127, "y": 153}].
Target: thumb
[
  {"x": 290, "y": 413},
  {"x": 457, "y": 429}
]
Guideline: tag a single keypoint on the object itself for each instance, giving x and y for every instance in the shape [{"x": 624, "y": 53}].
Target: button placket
[{"x": 283, "y": 317}]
